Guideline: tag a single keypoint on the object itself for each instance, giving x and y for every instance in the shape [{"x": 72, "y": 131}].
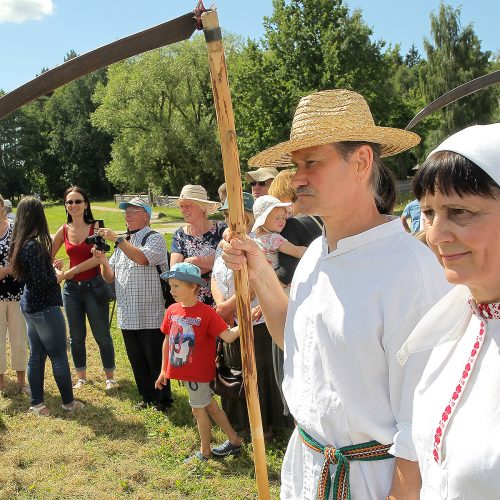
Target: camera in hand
[{"x": 99, "y": 242}]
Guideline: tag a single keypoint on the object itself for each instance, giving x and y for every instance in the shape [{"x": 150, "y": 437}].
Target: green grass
[{"x": 109, "y": 450}]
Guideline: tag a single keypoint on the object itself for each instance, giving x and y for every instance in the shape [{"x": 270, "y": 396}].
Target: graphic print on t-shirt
[{"x": 182, "y": 339}]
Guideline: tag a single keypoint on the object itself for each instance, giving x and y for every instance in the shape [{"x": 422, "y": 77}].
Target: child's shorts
[{"x": 200, "y": 393}]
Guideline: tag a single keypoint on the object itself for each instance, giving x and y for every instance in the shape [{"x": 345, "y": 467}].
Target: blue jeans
[
  {"x": 80, "y": 300},
  {"x": 47, "y": 337}
]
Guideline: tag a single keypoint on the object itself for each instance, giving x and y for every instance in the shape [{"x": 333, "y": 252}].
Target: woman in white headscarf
[{"x": 456, "y": 416}]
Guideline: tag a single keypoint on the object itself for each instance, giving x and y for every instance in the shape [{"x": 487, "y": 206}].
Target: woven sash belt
[{"x": 372, "y": 450}]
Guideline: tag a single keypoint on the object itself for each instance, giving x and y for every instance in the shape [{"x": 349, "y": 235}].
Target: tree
[
  {"x": 82, "y": 151},
  {"x": 454, "y": 56},
  {"x": 159, "y": 109},
  {"x": 311, "y": 45}
]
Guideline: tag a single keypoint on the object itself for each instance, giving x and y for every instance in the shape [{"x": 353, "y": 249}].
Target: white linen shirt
[
  {"x": 350, "y": 311},
  {"x": 470, "y": 467},
  {"x": 139, "y": 298}
]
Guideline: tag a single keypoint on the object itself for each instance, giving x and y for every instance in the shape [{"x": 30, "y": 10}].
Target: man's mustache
[{"x": 304, "y": 190}]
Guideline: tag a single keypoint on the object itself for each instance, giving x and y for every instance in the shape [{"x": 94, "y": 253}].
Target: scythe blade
[
  {"x": 454, "y": 95},
  {"x": 166, "y": 33}
]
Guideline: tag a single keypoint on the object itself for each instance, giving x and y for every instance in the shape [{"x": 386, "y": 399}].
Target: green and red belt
[{"x": 372, "y": 450}]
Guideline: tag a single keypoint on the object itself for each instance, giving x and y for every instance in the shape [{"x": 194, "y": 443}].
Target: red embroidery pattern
[{"x": 486, "y": 311}]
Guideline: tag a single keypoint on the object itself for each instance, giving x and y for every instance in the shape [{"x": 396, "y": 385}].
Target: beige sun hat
[
  {"x": 262, "y": 174},
  {"x": 199, "y": 194},
  {"x": 334, "y": 116}
]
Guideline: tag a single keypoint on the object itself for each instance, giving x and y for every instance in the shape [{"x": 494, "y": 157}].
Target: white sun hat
[{"x": 262, "y": 208}]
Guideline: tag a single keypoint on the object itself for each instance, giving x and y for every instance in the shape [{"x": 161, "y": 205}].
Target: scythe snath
[{"x": 173, "y": 31}]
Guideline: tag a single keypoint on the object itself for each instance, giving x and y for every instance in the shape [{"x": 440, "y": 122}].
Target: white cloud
[{"x": 20, "y": 11}]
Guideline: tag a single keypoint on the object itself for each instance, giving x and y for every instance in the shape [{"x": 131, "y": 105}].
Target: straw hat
[
  {"x": 198, "y": 194},
  {"x": 334, "y": 116}
]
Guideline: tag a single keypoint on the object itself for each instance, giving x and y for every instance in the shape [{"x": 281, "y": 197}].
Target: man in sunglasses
[{"x": 260, "y": 180}]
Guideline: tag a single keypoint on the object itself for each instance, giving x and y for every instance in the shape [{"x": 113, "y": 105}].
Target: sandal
[
  {"x": 74, "y": 406},
  {"x": 23, "y": 389},
  {"x": 40, "y": 410},
  {"x": 80, "y": 383},
  {"x": 111, "y": 384},
  {"x": 197, "y": 457}
]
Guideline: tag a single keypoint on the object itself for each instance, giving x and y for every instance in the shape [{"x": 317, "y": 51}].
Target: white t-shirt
[
  {"x": 470, "y": 452},
  {"x": 350, "y": 311}
]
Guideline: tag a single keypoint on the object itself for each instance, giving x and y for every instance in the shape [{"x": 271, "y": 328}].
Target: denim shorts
[{"x": 200, "y": 393}]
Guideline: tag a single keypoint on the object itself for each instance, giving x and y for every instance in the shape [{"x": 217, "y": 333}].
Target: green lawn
[{"x": 110, "y": 450}]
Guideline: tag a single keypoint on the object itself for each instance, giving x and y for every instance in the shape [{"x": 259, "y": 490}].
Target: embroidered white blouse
[
  {"x": 350, "y": 311},
  {"x": 465, "y": 464}
]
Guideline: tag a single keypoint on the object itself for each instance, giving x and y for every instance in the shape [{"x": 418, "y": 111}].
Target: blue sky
[{"x": 38, "y": 33}]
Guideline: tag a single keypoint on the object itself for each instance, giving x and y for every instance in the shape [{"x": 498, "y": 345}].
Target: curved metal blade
[
  {"x": 454, "y": 95},
  {"x": 172, "y": 31}
]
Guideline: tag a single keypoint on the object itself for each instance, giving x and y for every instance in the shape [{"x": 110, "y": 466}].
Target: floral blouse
[
  {"x": 10, "y": 289},
  {"x": 200, "y": 246}
]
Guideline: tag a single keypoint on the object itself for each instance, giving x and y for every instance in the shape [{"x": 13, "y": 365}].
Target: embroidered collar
[{"x": 485, "y": 311}]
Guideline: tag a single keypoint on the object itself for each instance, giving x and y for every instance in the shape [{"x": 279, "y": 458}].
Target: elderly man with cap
[
  {"x": 260, "y": 180},
  {"x": 349, "y": 311},
  {"x": 139, "y": 257}
]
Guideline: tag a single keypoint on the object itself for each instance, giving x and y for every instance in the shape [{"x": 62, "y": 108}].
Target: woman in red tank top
[{"x": 81, "y": 289}]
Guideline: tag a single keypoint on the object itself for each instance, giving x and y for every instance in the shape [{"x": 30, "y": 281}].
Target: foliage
[
  {"x": 454, "y": 56},
  {"x": 82, "y": 151},
  {"x": 159, "y": 109},
  {"x": 311, "y": 45},
  {"x": 148, "y": 123}
]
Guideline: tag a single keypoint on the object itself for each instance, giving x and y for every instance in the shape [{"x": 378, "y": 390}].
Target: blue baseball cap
[
  {"x": 135, "y": 202},
  {"x": 247, "y": 203},
  {"x": 184, "y": 271}
]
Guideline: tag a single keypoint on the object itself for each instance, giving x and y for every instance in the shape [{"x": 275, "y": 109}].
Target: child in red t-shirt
[{"x": 191, "y": 329}]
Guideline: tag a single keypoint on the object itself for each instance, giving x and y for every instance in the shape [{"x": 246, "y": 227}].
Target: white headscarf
[{"x": 448, "y": 318}]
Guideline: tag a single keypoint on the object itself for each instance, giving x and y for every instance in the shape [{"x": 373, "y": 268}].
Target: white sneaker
[
  {"x": 111, "y": 384},
  {"x": 80, "y": 383}
]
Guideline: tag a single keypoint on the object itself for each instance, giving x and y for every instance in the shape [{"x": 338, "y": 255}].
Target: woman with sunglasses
[
  {"x": 31, "y": 263},
  {"x": 81, "y": 291}
]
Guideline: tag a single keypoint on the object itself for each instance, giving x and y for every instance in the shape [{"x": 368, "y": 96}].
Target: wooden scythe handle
[{"x": 232, "y": 174}]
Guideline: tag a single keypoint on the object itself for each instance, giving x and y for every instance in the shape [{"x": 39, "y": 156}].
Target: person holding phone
[{"x": 82, "y": 291}]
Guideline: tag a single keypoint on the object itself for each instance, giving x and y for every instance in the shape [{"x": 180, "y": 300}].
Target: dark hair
[
  {"x": 87, "y": 214},
  {"x": 381, "y": 179},
  {"x": 385, "y": 196},
  {"x": 451, "y": 173},
  {"x": 31, "y": 225}
]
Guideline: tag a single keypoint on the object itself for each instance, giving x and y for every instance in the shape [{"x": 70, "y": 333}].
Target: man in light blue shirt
[{"x": 412, "y": 211}]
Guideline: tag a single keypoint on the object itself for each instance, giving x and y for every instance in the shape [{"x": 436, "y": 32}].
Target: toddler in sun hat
[
  {"x": 270, "y": 219},
  {"x": 188, "y": 354}
]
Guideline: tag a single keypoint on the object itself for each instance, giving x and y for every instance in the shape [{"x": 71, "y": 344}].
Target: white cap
[
  {"x": 262, "y": 208},
  {"x": 479, "y": 144}
]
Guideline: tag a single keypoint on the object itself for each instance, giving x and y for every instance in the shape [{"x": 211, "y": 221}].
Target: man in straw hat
[{"x": 349, "y": 310}]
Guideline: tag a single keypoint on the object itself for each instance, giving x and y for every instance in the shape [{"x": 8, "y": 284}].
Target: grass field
[{"x": 110, "y": 450}]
